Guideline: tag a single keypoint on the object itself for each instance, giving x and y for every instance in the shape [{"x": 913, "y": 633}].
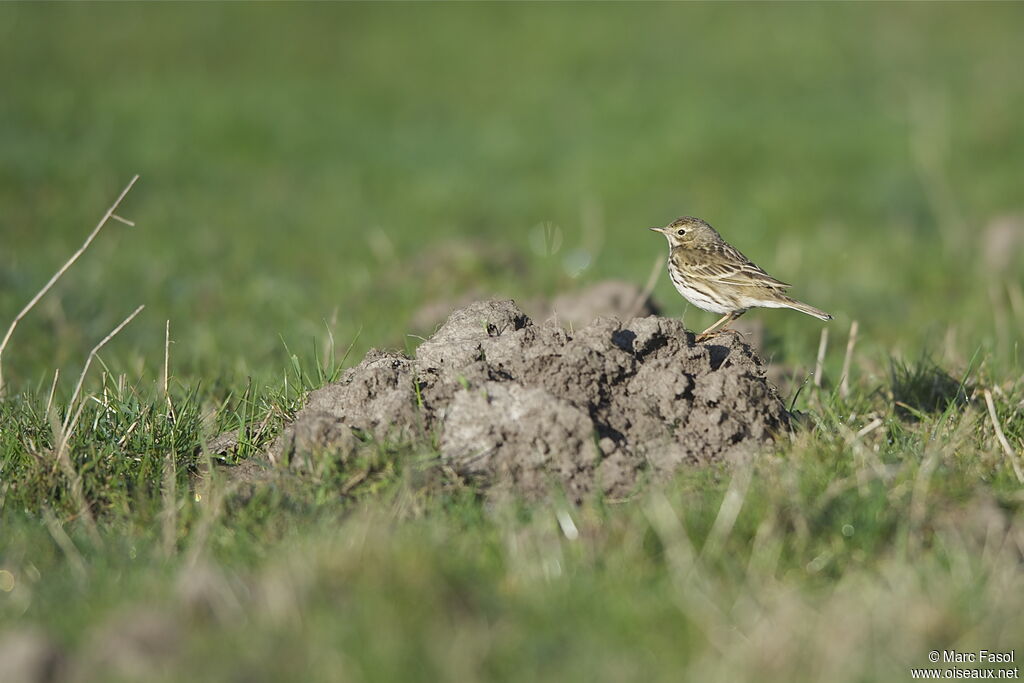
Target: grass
[{"x": 312, "y": 175}]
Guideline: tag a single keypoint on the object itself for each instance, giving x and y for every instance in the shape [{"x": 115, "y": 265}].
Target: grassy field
[{"x": 312, "y": 175}]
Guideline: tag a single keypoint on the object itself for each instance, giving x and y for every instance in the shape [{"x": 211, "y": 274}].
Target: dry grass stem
[
  {"x": 62, "y": 433},
  {"x": 167, "y": 354},
  {"x": 167, "y": 371},
  {"x": 60, "y": 272},
  {"x": 53, "y": 389},
  {"x": 819, "y": 365},
  {"x": 844, "y": 385},
  {"x": 92, "y": 355},
  {"x": 1007, "y": 449},
  {"x": 868, "y": 428},
  {"x": 950, "y": 353}
]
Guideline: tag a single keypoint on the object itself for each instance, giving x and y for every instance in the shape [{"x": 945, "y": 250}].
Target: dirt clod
[{"x": 524, "y": 407}]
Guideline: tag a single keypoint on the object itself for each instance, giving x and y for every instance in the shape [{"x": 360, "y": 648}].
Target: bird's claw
[{"x": 703, "y": 336}]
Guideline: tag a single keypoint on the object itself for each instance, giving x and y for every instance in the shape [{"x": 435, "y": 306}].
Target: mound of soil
[{"x": 522, "y": 407}]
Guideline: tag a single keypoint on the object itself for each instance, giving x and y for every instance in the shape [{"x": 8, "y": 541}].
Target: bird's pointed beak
[{"x": 657, "y": 229}]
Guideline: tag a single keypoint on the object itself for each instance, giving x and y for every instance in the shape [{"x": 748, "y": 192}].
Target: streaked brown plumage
[{"x": 713, "y": 275}]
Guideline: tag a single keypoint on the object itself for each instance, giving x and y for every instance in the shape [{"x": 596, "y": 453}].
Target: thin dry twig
[
  {"x": 819, "y": 365},
  {"x": 329, "y": 348},
  {"x": 53, "y": 389},
  {"x": 867, "y": 429},
  {"x": 1007, "y": 449},
  {"x": 88, "y": 361},
  {"x": 60, "y": 272},
  {"x": 167, "y": 354},
  {"x": 844, "y": 385},
  {"x": 169, "y": 513},
  {"x": 62, "y": 435},
  {"x": 167, "y": 372}
]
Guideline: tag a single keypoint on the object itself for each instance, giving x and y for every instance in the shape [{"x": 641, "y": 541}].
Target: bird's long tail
[{"x": 805, "y": 308}]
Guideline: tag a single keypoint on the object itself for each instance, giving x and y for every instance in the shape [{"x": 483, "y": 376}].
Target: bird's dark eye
[{"x": 680, "y": 232}]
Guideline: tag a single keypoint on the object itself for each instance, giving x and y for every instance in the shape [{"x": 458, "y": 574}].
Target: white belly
[{"x": 699, "y": 298}]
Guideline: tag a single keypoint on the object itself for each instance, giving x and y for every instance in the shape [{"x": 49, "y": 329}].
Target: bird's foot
[{"x": 703, "y": 336}]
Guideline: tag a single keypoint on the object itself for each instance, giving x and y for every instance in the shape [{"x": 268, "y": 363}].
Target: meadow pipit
[{"x": 713, "y": 275}]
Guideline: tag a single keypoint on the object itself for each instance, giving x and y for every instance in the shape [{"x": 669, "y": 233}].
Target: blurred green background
[{"x": 307, "y": 167}]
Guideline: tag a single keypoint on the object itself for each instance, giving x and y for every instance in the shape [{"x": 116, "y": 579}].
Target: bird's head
[{"x": 688, "y": 232}]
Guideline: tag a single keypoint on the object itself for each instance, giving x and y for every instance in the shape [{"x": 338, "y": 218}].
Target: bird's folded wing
[{"x": 730, "y": 270}]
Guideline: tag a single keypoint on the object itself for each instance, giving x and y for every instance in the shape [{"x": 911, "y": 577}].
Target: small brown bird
[{"x": 713, "y": 275}]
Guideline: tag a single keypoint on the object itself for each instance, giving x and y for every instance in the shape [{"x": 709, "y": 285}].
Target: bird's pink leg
[{"x": 726, "y": 319}]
